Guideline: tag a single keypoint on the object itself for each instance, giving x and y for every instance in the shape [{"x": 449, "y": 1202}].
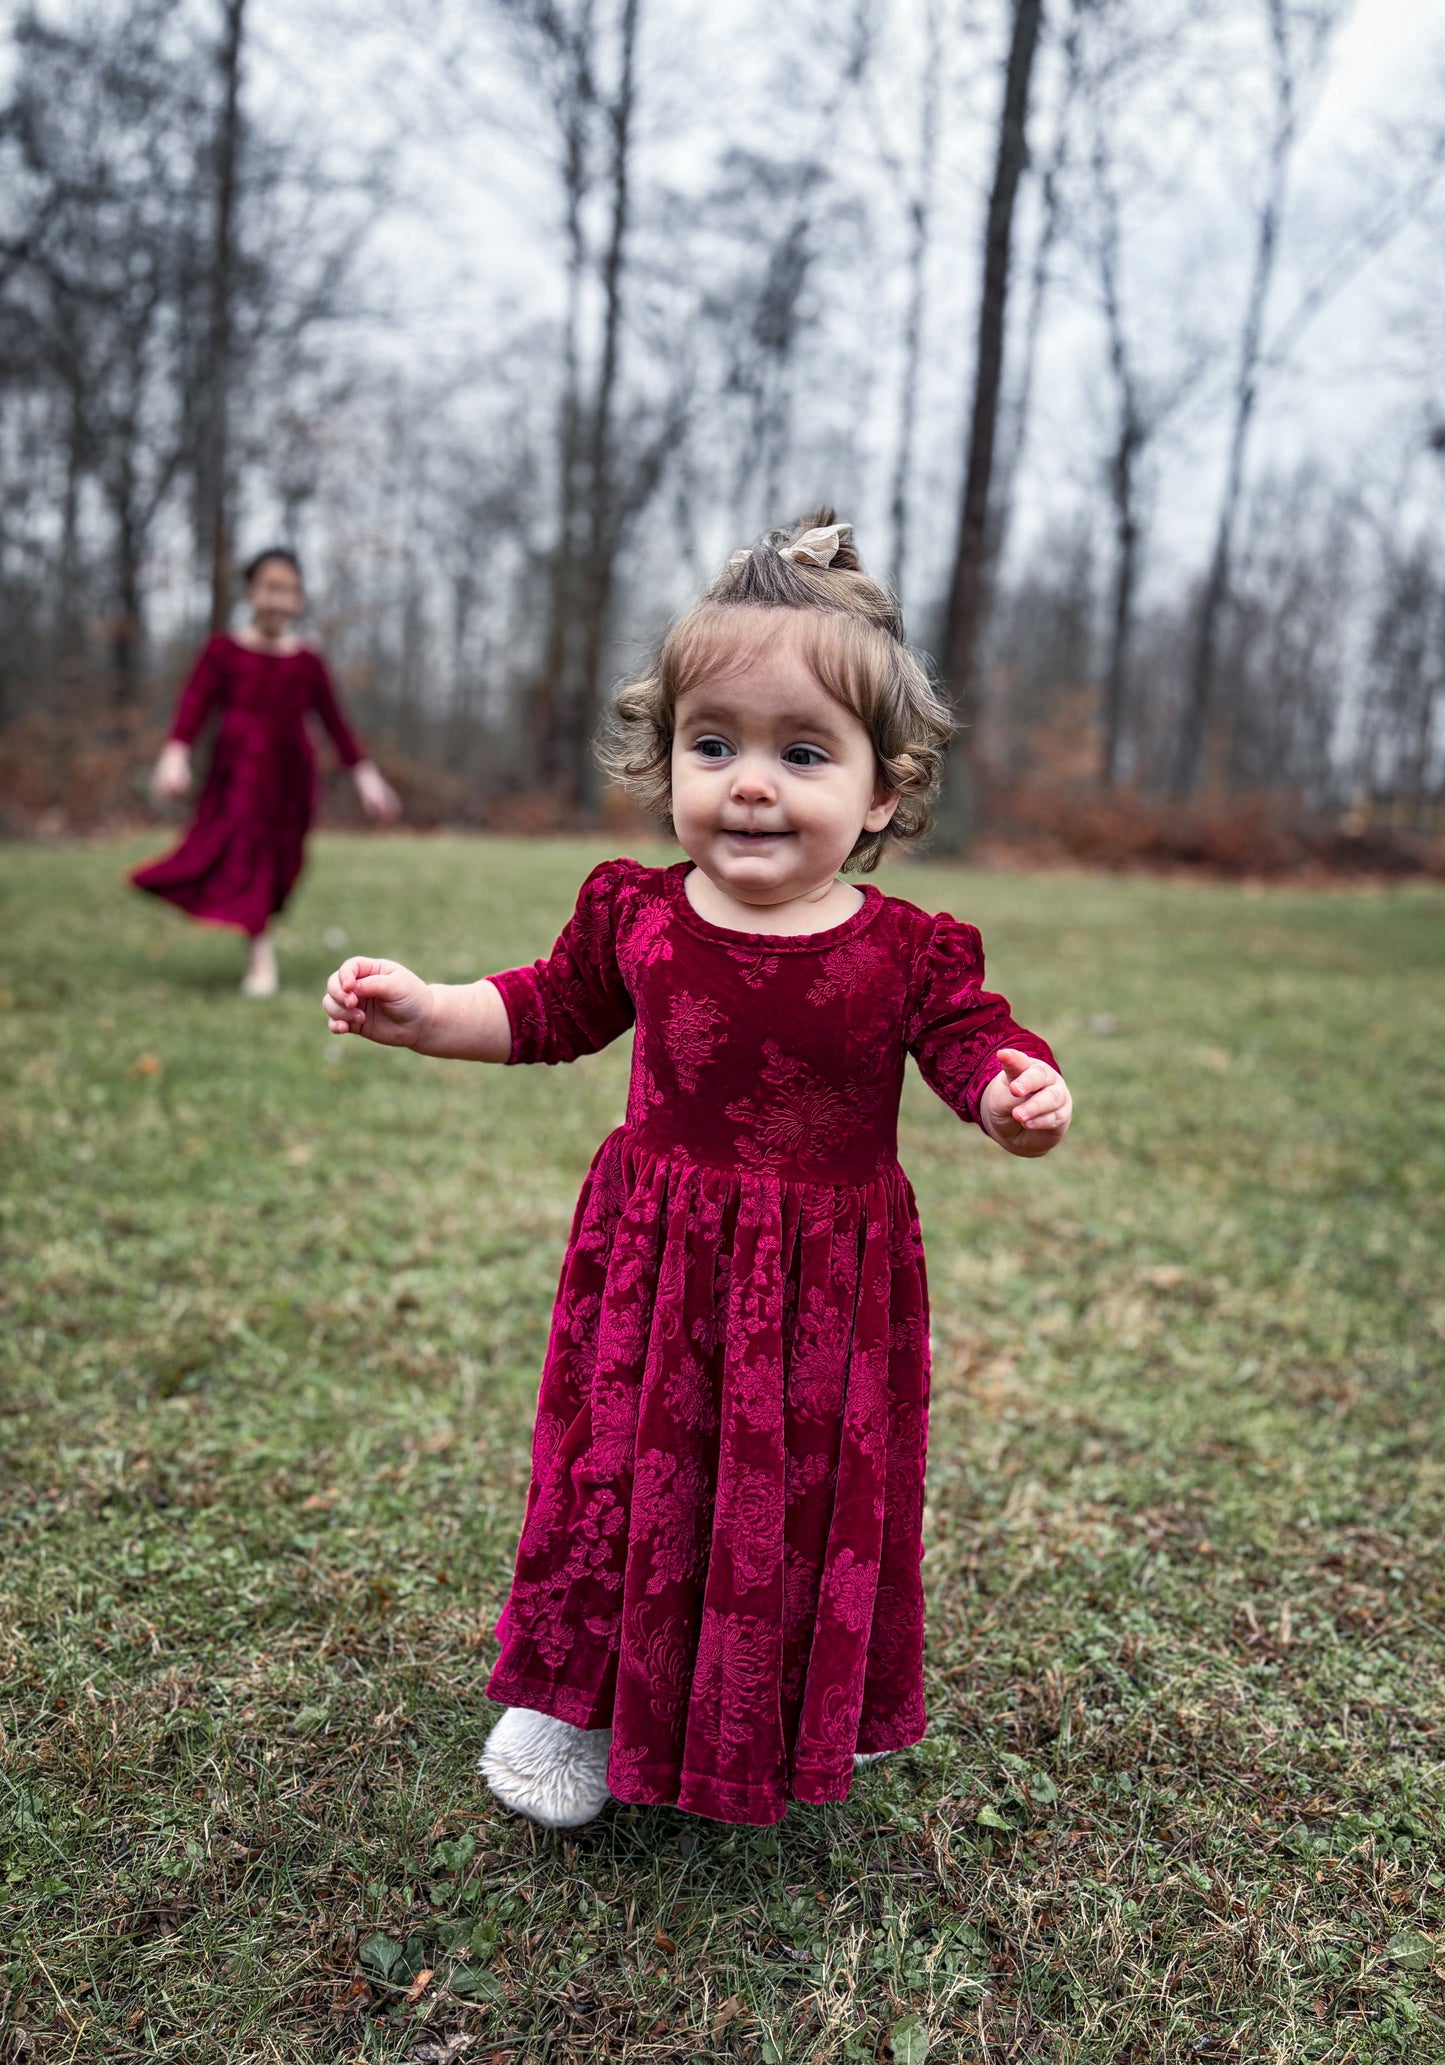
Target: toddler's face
[{"x": 772, "y": 781}]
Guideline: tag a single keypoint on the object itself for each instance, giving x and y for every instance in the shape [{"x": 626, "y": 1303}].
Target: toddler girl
[{"x": 717, "y": 1600}]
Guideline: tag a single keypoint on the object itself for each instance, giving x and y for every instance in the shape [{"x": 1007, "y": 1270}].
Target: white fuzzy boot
[
  {"x": 547, "y": 1769},
  {"x": 862, "y": 1757}
]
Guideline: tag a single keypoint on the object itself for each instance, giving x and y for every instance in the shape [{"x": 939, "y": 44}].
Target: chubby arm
[
  {"x": 574, "y": 1002},
  {"x": 975, "y": 1055},
  {"x": 385, "y": 1002}
]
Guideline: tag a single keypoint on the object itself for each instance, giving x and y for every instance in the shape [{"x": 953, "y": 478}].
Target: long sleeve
[
  {"x": 575, "y": 1001},
  {"x": 200, "y": 695},
  {"x": 956, "y": 1026},
  {"x": 349, "y": 749}
]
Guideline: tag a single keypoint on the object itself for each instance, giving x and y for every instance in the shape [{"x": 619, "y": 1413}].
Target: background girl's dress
[
  {"x": 720, "y": 1558},
  {"x": 239, "y": 861}
]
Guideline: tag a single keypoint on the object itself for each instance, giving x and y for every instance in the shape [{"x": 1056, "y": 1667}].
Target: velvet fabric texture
[
  {"x": 239, "y": 859},
  {"x": 720, "y": 1558}
]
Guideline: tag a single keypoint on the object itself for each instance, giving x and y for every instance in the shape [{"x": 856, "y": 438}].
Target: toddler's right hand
[{"x": 380, "y": 1000}]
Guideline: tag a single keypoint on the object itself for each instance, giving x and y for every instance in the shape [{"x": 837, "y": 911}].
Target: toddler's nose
[{"x": 753, "y": 780}]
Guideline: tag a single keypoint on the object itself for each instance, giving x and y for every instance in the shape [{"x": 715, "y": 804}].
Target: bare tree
[
  {"x": 1406, "y": 692},
  {"x": 1131, "y": 433},
  {"x": 963, "y": 620},
  {"x": 216, "y": 463},
  {"x": 1052, "y": 214},
  {"x": 564, "y": 37},
  {"x": 919, "y": 212},
  {"x": 1286, "y": 61},
  {"x": 98, "y": 112},
  {"x": 604, "y": 512},
  {"x": 1142, "y": 407}
]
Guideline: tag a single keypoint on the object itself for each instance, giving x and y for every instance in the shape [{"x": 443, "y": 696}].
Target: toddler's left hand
[{"x": 1027, "y": 1106}]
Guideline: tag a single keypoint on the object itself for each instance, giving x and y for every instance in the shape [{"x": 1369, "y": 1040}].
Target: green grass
[{"x": 273, "y": 1313}]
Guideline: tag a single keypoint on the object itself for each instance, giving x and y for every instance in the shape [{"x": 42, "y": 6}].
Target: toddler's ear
[{"x": 882, "y": 810}]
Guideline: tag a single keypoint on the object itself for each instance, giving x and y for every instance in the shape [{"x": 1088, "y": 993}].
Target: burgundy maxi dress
[
  {"x": 243, "y": 851},
  {"x": 720, "y": 1558}
]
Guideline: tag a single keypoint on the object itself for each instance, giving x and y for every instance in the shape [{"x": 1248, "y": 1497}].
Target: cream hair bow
[{"x": 818, "y": 547}]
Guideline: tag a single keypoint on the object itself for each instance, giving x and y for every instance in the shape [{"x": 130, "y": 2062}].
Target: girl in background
[
  {"x": 717, "y": 1600},
  {"x": 239, "y": 859}
]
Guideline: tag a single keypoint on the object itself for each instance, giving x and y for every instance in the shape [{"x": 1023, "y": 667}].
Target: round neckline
[
  {"x": 259, "y": 652},
  {"x": 772, "y": 942}
]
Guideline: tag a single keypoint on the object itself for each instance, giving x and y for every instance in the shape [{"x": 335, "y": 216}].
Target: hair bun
[{"x": 819, "y": 540}]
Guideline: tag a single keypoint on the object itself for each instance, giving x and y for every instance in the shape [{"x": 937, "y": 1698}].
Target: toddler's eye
[
  {"x": 712, "y": 748},
  {"x": 805, "y": 756}
]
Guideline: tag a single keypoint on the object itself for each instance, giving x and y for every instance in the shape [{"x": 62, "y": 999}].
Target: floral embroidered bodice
[{"x": 765, "y": 1053}]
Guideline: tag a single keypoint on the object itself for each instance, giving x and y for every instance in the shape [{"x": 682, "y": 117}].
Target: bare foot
[{"x": 262, "y": 978}]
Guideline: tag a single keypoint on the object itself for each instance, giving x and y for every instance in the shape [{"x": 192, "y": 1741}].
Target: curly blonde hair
[{"x": 852, "y": 641}]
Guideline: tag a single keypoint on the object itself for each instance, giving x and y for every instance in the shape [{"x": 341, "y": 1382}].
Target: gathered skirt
[
  {"x": 242, "y": 853},
  {"x": 720, "y": 1557}
]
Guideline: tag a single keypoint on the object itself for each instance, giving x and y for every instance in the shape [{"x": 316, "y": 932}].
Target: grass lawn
[{"x": 273, "y": 1313}]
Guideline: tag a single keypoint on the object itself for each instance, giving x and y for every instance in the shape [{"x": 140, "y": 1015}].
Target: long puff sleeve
[
  {"x": 200, "y": 694},
  {"x": 349, "y": 750},
  {"x": 575, "y": 1001},
  {"x": 956, "y": 1026}
]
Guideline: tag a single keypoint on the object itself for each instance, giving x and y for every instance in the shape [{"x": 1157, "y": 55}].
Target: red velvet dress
[
  {"x": 240, "y": 858},
  {"x": 720, "y": 1558}
]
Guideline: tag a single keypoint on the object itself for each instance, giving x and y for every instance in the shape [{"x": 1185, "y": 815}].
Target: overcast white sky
[
  {"x": 470, "y": 254},
  {"x": 477, "y": 248}
]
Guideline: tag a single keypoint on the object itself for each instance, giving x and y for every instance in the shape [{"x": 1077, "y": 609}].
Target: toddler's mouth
[{"x": 756, "y": 836}]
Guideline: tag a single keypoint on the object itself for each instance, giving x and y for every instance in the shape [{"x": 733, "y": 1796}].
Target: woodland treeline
[{"x": 513, "y": 316}]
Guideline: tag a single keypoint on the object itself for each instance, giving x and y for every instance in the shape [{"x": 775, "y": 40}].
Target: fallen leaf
[
  {"x": 356, "y": 1997},
  {"x": 146, "y": 1065},
  {"x": 444, "y": 2050},
  {"x": 665, "y": 1943},
  {"x": 420, "y": 1984},
  {"x": 298, "y": 1156},
  {"x": 319, "y": 1501},
  {"x": 728, "y": 2012}
]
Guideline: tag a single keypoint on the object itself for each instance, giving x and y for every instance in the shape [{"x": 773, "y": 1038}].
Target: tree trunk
[
  {"x": 1121, "y": 616},
  {"x": 1016, "y": 415},
  {"x": 70, "y": 613},
  {"x": 1129, "y": 443},
  {"x": 222, "y": 286},
  {"x": 550, "y": 721},
  {"x": 919, "y": 212},
  {"x": 1204, "y": 663},
  {"x": 963, "y": 623},
  {"x": 603, "y": 513},
  {"x": 125, "y": 630}
]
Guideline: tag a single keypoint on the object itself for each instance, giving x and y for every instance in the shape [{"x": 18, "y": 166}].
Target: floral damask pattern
[
  {"x": 843, "y": 971},
  {"x": 720, "y": 1557},
  {"x": 691, "y": 1032},
  {"x": 796, "y": 1115}
]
